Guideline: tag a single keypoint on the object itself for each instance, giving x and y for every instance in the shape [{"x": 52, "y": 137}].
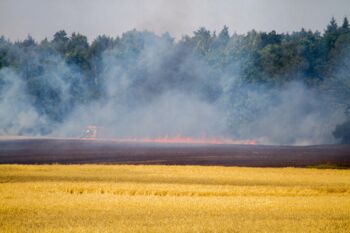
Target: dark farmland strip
[{"x": 71, "y": 151}]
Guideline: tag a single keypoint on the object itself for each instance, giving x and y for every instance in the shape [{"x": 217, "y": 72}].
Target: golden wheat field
[{"x": 123, "y": 198}]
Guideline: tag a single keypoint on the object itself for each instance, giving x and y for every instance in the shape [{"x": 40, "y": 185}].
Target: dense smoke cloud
[
  {"x": 151, "y": 95},
  {"x": 17, "y": 114},
  {"x": 151, "y": 86},
  {"x": 293, "y": 114}
]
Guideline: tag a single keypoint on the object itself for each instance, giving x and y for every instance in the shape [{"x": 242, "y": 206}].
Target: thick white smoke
[
  {"x": 161, "y": 93},
  {"x": 17, "y": 114}
]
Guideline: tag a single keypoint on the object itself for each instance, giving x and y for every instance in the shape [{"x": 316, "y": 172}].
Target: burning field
[{"x": 175, "y": 151}]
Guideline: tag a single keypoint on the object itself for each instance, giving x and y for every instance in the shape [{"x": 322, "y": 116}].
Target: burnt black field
[{"x": 75, "y": 151}]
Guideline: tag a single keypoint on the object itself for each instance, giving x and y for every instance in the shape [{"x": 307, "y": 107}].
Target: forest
[{"x": 285, "y": 88}]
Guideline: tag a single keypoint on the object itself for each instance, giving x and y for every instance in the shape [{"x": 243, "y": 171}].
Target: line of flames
[{"x": 182, "y": 140}]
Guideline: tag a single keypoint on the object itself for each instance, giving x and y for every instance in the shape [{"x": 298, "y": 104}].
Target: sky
[{"x": 42, "y": 18}]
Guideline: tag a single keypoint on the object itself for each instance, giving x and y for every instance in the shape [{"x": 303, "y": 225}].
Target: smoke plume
[{"x": 160, "y": 90}]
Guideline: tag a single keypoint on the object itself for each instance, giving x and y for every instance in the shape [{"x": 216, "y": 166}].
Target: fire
[
  {"x": 91, "y": 133},
  {"x": 186, "y": 140},
  {"x": 183, "y": 140}
]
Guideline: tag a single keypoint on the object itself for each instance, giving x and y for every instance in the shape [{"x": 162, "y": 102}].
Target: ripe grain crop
[{"x": 125, "y": 198}]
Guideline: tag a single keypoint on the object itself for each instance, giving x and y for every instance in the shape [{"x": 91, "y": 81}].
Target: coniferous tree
[
  {"x": 331, "y": 34},
  {"x": 60, "y": 42},
  {"x": 345, "y": 25}
]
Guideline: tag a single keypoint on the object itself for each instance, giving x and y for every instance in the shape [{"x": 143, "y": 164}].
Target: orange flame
[
  {"x": 91, "y": 134},
  {"x": 185, "y": 140}
]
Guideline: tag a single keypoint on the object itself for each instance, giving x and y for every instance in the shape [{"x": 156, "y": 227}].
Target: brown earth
[{"x": 75, "y": 151}]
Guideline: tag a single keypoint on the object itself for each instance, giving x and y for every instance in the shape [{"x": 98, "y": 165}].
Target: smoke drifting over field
[{"x": 161, "y": 90}]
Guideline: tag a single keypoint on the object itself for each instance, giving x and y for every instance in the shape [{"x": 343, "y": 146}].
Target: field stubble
[{"x": 124, "y": 198}]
